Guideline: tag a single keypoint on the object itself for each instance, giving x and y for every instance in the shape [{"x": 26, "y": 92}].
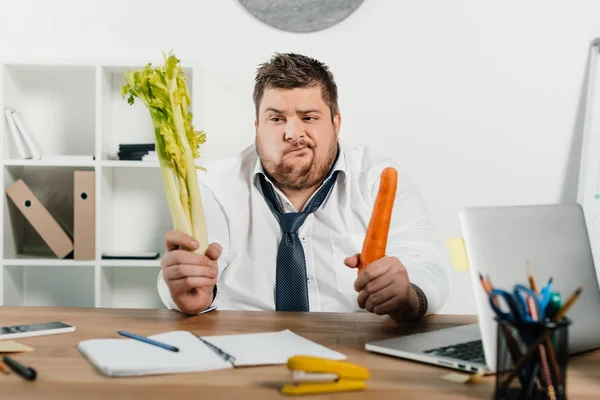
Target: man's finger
[
  {"x": 387, "y": 307},
  {"x": 191, "y": 282},
  {"x": 176, "y": 239},
  {"x": 380, "y": 297},
  {"x": 214, "y": 251},
  {"x": 180, "y": 271},
  {"x": 373, "y": 287},
  {"x": 351, "y": 261},
  {"x": 372, "y": 271},
  {"x": 168, "y": 260},
  {"x": 187, "y": 257},
  {"x": 361, "y": 299}
]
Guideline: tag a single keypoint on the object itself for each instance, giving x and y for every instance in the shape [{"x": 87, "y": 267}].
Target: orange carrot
[{"x": 376, "y": 237}]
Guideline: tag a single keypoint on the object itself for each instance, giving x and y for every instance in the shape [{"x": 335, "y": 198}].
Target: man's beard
[{"x": 288, "y": 176}]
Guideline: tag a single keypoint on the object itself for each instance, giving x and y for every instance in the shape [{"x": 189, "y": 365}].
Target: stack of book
[
  {"x": 26, "y": 144},
  {"x": 137, "y": 151}
]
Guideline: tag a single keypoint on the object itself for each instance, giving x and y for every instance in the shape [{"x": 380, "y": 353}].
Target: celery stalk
[{"x": 164, "y": 91}]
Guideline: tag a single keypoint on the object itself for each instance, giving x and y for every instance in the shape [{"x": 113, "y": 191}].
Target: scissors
[{"x": 517, "y": 303}]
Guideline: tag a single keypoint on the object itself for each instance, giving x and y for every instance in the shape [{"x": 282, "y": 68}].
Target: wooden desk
[{"x": 63, "y": 373}]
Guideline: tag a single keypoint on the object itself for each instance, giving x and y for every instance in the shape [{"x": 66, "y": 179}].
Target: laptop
[{"x": 499, "y": 242}]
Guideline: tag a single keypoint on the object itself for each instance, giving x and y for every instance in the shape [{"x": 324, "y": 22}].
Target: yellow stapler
[{"x": 312, "y": 375}]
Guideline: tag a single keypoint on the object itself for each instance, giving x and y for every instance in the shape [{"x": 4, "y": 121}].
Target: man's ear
[{"x": 337, "y": 122}]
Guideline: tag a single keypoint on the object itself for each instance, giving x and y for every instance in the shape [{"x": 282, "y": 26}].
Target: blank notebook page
[
  {"x": 269, "y": 348},
  {"x": 125, "y": 357}
]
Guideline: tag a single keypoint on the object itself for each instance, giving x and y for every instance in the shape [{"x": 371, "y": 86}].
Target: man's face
[{"x": 296, "y": 138}]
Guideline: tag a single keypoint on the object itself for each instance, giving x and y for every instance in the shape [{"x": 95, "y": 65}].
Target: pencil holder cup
[{"x": 531, "y": 360}]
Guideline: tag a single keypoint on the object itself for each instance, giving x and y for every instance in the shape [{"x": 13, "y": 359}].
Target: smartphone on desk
[{"x": 38, "y": 329}]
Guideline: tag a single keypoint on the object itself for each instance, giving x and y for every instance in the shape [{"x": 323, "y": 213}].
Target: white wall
[{"x": 478, "y": 99}]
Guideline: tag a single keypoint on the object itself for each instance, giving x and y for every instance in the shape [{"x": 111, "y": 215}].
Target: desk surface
[{"x": 63, "y": 373}]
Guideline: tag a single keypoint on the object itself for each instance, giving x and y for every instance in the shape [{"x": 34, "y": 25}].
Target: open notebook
[{"x": 129, "y": 357}]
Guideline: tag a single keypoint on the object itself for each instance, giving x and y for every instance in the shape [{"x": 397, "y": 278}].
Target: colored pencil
[
  {"x": 561, "y": 313},
  {"x": 4, "y": 368},
  {"x": 530, "y": 277},
  {"x": 149, "y": 341}
]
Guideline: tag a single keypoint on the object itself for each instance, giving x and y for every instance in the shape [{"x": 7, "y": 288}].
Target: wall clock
[{"x": 301, "y": 15}]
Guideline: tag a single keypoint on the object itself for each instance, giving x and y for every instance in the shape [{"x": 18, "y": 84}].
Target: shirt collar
[{"x": 339, "y": 165}]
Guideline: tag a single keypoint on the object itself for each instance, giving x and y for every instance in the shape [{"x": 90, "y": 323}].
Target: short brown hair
[{"x": 290, "y": 71}]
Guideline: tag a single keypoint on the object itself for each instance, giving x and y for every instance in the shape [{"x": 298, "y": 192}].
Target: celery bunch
[{"x": 164, "y": 91}]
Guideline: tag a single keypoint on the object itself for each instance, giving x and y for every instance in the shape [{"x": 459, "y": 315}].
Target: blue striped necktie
[{"x": 291, "y": 288}]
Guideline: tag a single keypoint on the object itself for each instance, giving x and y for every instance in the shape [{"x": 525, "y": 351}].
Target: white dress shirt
[{"x": 240, "y": 220}]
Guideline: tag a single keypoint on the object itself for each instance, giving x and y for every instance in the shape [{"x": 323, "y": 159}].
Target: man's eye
[
  {"x": 275, "y": 119},
  {"x": 310, "y": 118}
]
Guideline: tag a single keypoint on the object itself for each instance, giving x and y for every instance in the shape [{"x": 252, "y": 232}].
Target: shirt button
[{"x": 304, "y": 238}]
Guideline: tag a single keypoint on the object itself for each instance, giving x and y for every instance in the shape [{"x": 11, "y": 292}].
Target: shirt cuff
[
  {"x": 215, "y": 303},
  {"x": 167, "y": 299}
]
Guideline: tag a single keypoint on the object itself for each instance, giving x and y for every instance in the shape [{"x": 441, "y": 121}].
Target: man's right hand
[{"x": 191, "y": 277}]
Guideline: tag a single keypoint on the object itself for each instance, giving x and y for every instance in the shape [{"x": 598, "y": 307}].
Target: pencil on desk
[
  {"x": 148, "y": 340},
  {"x": 4, "y": 368}
]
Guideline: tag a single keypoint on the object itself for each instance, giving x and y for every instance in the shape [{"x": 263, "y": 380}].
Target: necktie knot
[{"x": 292, "y": 221}]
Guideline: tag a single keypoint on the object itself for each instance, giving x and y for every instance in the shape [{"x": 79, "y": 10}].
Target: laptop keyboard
[{"x": 468, "y": 351}]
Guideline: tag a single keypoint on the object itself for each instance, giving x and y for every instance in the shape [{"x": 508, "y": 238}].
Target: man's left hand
[{"x": 384, "y": 288}]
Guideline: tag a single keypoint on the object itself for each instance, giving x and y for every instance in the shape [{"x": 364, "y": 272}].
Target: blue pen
[
  {"x": 548, "y": 288},
  {"x": 546, "y": 293},
  {"x": 149, "y": 341}
]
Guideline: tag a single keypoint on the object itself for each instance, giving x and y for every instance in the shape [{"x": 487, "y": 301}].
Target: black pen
[{"x": 26, "y": 372}]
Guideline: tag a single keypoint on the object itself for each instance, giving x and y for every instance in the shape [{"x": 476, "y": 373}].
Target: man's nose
[{"x": 293, "y": 129}]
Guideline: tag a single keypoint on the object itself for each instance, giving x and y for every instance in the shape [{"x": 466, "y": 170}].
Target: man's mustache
[{"x": 298, "y": 146}]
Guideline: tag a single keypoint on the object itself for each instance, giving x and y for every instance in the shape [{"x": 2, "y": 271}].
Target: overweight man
[{"x": 286, "y": 217}]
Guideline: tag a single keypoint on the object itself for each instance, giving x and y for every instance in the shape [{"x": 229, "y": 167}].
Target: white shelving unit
[{"x": 75, "y": 108}]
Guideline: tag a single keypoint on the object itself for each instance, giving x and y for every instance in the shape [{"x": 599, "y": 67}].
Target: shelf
[
  {"x": 51, "y": 162},
  {"x": 56, "y": 102},
  {"x": 130, "y": 263},
  {"x": 22, "y": 260},
  {"x": 50, "y": 65},
  {"x": 133, "y": 200},
  {"x": 122, "y": 123},
  {"x": 19, "y": 237},
  {"x": 43, "y": 286},
  {"x": 129, "y": 164},
  {"x": 137, "y": 164},
  {"x": 130, "y": 288},
  {"x": 78, "y": 118}
]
